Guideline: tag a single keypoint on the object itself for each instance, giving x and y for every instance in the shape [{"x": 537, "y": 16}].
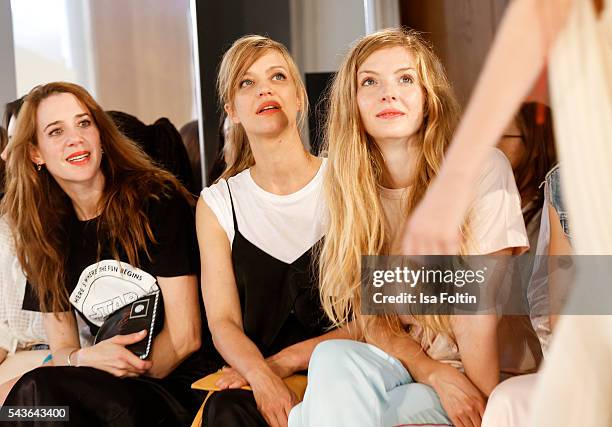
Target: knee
[
  {"x": 337, "y": 366},
  {"x": 39, "y": 377},
  {"x": 31, "y": 386},
  {"x": 424, "y": 394},
  {"x": 333, "y": 355}
]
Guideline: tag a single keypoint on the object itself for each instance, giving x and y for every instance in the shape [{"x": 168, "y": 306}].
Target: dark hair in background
[
  {"x": 317, "y": 85},
  {"x": 11, "y": 109},
  {"x": 3, "y": 141},
  {"x": 3, "y": 138},
  {"x": 219, "y": 165},
  {"x": 535, "y": 122},
  {"x": 191, "y": 140},
  {"x": 161, "y": 141}
]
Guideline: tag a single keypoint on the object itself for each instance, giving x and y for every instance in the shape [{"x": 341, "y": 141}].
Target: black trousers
[
  {"x": 97, "y": 398},
  {"x": 232, "y": 408}
]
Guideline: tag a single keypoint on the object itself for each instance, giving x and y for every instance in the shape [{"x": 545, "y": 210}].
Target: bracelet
[{"x": 70, "y": 354}]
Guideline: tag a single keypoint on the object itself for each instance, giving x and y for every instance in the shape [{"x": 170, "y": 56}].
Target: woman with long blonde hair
[
  {"x": 257, "y": 228},
  {"x": 97, "y": 226},
  {"x": 392, "y": 114}
]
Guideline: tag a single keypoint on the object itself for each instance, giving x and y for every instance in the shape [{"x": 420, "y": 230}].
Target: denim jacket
[
  {"x": 552, "y": 194},
  {"x": 537, "y": 292}
]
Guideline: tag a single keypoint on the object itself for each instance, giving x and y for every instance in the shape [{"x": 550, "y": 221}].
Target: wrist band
[{"x": 70, "y": 354}]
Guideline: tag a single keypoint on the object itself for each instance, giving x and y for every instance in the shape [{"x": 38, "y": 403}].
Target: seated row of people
[{"x": 280, "y": 236}]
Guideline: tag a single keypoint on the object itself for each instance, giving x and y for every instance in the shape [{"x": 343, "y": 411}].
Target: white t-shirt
[
  {"x": 496, "y": 223},
  {"x": 496, "y": 220},
  {"x": 283, "y": 226}
]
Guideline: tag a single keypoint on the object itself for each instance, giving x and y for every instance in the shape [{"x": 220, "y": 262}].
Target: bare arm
[
  {"x": 515, "y": 61},
  {"x": 221, "y": 296},
  {"x": 63, "y": 335},
  {"x": 462, "y": 395},
  {"x": 476, "y": 337},
  {"x": 295, "y": 358},
  {"x": 477, "y": 340},
  {"x": 109, "y": 355},
  {"x": 460, "y": 398},
  {"x": 180, "y": 335},
  {"x": 408, "y": 351},
  {"x": 274, "y": 399},
  {"x": 289, "y": 360}
]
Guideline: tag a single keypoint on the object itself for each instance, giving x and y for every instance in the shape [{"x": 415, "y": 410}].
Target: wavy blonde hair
[
  {"x": 357, "y": 224},
  {"x": 39, "y": 210},
  {"x": 236, "y": 61}
]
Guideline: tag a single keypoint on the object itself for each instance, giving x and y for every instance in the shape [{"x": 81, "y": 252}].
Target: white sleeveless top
[
  {"x": 282, "y": 226},
  {"x": 580, "y": 74}
]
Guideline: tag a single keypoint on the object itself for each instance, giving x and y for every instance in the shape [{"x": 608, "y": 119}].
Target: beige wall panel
[
  {"x": 470, "y": 29},
  {"x": 461, "y": 32},
  {"x": 143, "y": 58}
]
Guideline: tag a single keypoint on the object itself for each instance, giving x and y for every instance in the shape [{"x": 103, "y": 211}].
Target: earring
[
  {"x": 38, "y": 166},
  {"x": 101, "y": 150}
]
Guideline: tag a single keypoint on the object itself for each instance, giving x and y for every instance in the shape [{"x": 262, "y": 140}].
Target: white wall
[
  {"x": 48, "y": 42},
  {"x": 143, "y": 58}
]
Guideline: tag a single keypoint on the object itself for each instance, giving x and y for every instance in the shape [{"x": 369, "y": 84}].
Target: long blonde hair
[
  {"x": 239, "y": 57},
  {"x": 39, "y": 210},
  {"x": 357, "y": 224}
]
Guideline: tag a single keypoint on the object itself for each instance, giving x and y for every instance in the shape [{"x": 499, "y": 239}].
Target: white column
[{"x": 369, "y": 9}]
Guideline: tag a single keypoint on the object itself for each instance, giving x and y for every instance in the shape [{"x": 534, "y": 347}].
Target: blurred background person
[
  {"x": 20, "y": 330},
  {"x": 511, "y": 402},
  {"x": 529, "y": 144},
  {"x": 191, "y": 139},
  {"x": 571, "y": 38},
  {"x": 226, "y": 150},
  {"x": 162, "y": 142},
  {"x": 3, "y": 144}
]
